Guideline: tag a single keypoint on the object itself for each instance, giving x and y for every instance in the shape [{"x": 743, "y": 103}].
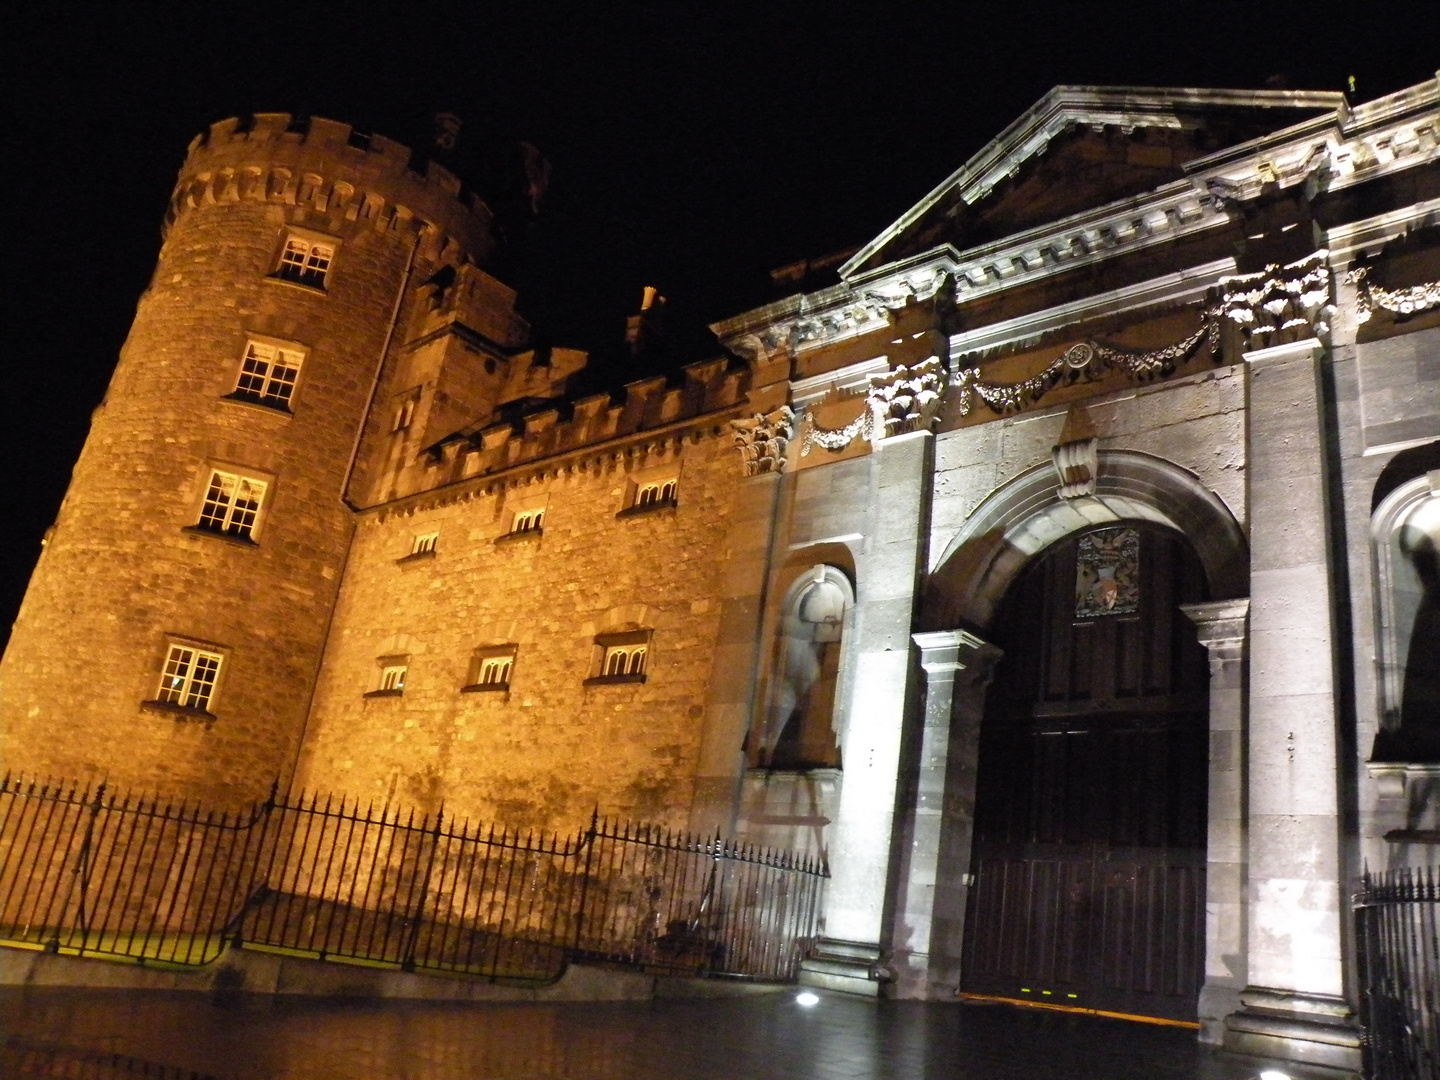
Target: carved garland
[
  {"x": 1087, "y": 360},
  {"x": 1369, "y": 296}
]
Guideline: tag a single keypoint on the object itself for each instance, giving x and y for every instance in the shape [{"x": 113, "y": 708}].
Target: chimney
[{"x": 646, "y": 328}]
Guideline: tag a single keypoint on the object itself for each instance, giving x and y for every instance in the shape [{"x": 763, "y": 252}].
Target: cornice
[{"x": 1066, "y": 106}]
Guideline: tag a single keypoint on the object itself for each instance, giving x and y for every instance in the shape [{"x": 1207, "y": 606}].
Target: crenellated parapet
[
  {"x": 341, "y": 175},
  {"x": 560, "y": 433}
]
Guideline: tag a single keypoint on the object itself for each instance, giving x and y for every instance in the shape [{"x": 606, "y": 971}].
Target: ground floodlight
[
  {"x": 806, "y": 998},
  {"x": 1274, "y": 1074}
]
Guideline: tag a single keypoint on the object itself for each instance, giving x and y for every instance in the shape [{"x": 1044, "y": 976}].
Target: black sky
[{"x": 694, "y": 146}]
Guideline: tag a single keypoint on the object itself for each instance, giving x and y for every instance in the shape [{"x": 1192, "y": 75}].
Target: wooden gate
[{"x": 1089, "y": 857}]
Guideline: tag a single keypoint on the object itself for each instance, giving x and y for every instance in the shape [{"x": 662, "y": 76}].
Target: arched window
[
  {"x": 800, "y": 730},
  {"x": 1405, "y": 535}
]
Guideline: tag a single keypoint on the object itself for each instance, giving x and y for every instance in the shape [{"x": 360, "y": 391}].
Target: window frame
[
  {"x": 664, "y": 484},
  {"x": 626, "y": 646},
  {"x": 491, "y": 658},
  {"x": 527, "y": 522},
  {"x": 423, "y": 545},
  {"x": 265, "y": 400},
  {"x": 250, "y": 534},
  {"x": 183, "y": 698},
  {"x": 306, "y": 277},
  {"x": 393, "y": 672}
]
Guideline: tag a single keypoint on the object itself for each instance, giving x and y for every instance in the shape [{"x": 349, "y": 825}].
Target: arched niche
[
  {"x": 1405, "y": 545},
  {"x": 798, "y": 728},
  {"x": 1025, "y": 515}
]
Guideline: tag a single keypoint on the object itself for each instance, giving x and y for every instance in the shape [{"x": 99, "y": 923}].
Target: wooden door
[{"x": 1089, "y": 857}]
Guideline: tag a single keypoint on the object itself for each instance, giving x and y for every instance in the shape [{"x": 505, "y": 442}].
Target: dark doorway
[{"x": 1089, "y": 857}]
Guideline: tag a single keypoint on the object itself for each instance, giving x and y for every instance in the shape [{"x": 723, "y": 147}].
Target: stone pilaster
[
  {"x": 848, "y": 957},
  {"x": 929, "y": 933},
  {"x": 735, "y": 662},
  {"x": 1222, "y": 628},
  {"x": 1294, "y": 1003}
]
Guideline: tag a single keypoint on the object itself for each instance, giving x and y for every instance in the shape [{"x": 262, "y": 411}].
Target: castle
[{"x": 1078, "y": 542}]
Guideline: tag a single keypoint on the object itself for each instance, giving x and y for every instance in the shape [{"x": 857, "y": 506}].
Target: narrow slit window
[
  {"x": 188, "y": 679},
  {"x": 232, "y": 505}
]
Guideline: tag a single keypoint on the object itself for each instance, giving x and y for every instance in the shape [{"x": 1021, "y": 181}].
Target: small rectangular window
[
  {"x": 189, "y": 676},
  {"x": 625, "y": 660},
  {"x": 232, "y": 504},
  {"x": 495, "y": 671},
  {"x": 528, "y": 521},
  {"x": 305, "y": 262},
  {"x": 621, "y": 656},
  {"x": 424, "y": 543},
  {"x": 490, "y": 668},
  {"x": 393, "y": 678},
  {"x": 268, "y": 374}
]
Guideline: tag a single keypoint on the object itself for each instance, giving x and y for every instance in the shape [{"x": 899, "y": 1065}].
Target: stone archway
[
  {"x": 966, "y": 583},
  {"x": 1021, "y": 517}
]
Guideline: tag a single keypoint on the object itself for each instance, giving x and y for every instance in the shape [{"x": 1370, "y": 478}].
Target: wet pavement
[{"x": 98, "y": 1034}]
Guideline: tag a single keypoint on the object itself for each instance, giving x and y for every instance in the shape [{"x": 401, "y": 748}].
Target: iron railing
[
  {"x": 1397, "y": 933},
  {"x": 89, "y": 871}
]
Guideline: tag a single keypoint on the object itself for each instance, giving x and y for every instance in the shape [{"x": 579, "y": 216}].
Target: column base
[
  {"x": 850, "y": 967},
  {"x": 1314, "y": 1029},
  {"x": 924, "y": 977},
  {"x": 1217, "y": 1001}
]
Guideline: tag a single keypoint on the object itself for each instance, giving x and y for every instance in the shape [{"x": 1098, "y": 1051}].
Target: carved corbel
[
  {"x": 763, "y": 440},
  {"x": 907, "y": 398},
  {"x": 1077, "y": 455}
]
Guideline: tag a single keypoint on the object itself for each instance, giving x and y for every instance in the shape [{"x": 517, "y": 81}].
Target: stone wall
[{"x": 550, "y": 749}]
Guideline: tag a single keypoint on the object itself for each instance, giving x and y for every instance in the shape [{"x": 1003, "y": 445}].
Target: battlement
[
  {"x": 331, "y": 168},
  {"x": 565, "y": 432}
]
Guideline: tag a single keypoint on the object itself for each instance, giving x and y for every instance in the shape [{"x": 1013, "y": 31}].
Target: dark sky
[{"x": 694, "y": 146}]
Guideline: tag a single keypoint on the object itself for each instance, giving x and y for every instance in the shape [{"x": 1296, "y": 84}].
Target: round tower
[{"x": 173, "y": 627}]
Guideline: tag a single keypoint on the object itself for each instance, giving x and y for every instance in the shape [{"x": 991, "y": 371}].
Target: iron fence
[
  {"x": 1398, "y": 939},
  {"x": 89, "y": 871}
]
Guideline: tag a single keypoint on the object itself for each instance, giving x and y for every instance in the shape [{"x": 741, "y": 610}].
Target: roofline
[{"x": 1063, "y": 106}]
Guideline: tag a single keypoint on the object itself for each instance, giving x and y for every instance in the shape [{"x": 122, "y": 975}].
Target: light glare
[
  {"x": 808, "y": 999},
  {"x": 1274, "y": 1074}
]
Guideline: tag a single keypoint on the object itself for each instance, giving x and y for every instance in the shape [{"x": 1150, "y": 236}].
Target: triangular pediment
[{"x": 1079, "y": 148}]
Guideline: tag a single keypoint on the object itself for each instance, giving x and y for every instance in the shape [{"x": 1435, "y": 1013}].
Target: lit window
[
  {"x": 268, "y": 374},
  {"x": 305, "y": 262},
  {"x": 393, "y": 678},
  {"x": 424, "y": 543},
  {"x": 528, "y": 521},
  {"x": 231, "y": 505},
  {"x": 189, "y": 678},
  {"x": 625, "y": 660},
  {"x": 650, "y": 494},
  {"x": 495, "y": 671}
]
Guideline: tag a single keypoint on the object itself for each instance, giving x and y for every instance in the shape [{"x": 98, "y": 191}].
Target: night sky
[{"x": 694, "y": 147}]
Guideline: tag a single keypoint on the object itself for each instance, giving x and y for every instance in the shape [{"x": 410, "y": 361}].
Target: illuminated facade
[{"x": 1080, "y": 536}]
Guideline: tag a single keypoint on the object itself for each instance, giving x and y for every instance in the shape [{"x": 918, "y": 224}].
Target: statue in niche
[
  {"x": 800, "y": 732},
  {"x": 1420, "y": 696}
]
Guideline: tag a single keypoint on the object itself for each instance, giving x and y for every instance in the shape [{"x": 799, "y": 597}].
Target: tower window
[
  {"x": 393, "y": 678},
  {"x": 305, "y": 262},
  {"x": 268, "y": 374},
  {"x": 232, "y": 504},
  {"x": 404, "y": 414},
  {"x": 189, "y": 677},
  {"x": 424, "y": 544}
]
